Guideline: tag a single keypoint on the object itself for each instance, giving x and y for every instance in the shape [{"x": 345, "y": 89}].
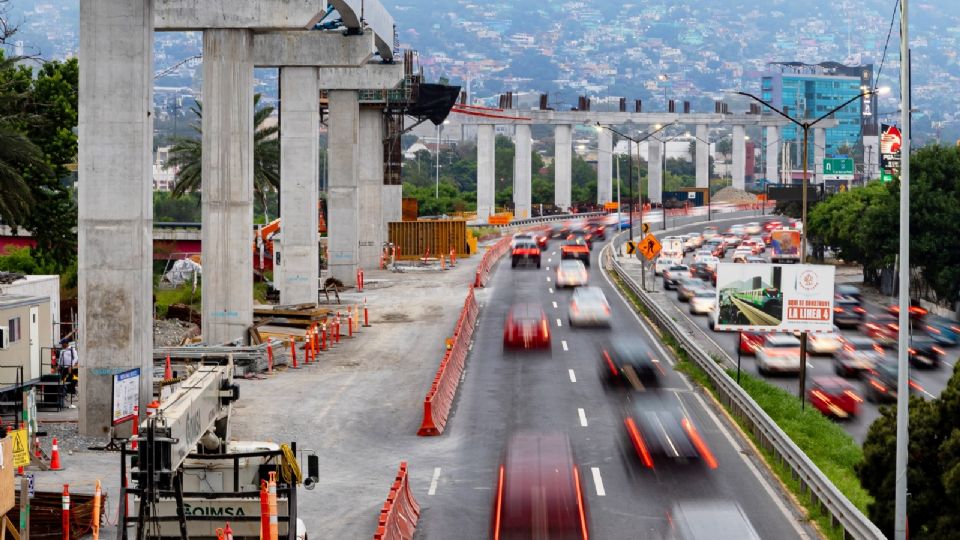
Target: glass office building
[{"x": 808, "y": 92}]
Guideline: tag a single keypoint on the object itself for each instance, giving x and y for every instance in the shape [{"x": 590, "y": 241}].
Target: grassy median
[{"x": 825, "y": 443}]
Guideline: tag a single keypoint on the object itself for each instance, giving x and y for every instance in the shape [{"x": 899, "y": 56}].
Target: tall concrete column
[
  {"x": 654, "y": 171},
  {"x": 739, "y": 157},
  {"x": 115, "y": 226},
  {"x": 371, "y": 187},
  {"x": 703, "y": 156},
  {"x": 522, "y": 173},
  {"x": 391, "y": 203},
  {"x": 773, "y": 153},
  {"x": 819, "y": 149},
  {"x": 562, "y": 156},
  {"x": 343, "y": 149},
  {"x": 604, "y": 166},
  {"x": 486, "y": 154},
  {"x": 299, "y": 183},
  {"x": 227, "y": 180}
]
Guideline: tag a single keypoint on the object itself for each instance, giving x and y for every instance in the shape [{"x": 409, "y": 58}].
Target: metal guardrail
[
  {"x": 812, "y": 481},
  {"x": 546, "y": 219}
]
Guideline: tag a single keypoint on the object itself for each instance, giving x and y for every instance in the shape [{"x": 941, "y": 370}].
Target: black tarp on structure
[
  {"x": 793, "y": 193},
  {"x": 434, "y": 102}
]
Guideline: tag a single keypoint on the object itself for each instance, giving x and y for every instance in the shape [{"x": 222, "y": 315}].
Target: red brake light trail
[
  {"x": 699, "y": 444},
  {"x": 613, "y": 368},
  {"x": 853, "y": 396},
  {"x": 638, "y": 443},
  {"x": 583, "y": 513},
  {"x": 496, "y": 526}
]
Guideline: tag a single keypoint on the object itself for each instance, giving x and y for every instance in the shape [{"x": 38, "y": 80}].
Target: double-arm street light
[{"x": 630, "y": 166}]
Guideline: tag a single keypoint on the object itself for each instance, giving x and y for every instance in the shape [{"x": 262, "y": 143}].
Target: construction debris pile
[
  {"x": 734, "y": 195},
  {"x": 173, "y": 332}
]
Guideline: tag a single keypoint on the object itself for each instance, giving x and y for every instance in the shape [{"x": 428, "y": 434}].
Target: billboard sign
[
  {"x": 774, "y": 297},
  {"x": 889, "y": 152}
]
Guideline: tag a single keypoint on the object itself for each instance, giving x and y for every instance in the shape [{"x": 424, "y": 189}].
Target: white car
[
  {"x": 711, "y": 262},
  {"x": 703, "y": 302},
  {"x": 752, "y": 228},
  {"x": 690, "y": 242},
  {"x": 702, "y": 254},
  {"x": 665, "y": 261},
  {"x": 571, "y": 273},
  {"x": 710, "y": 232},
  {"x": 827, "y": 343},
  {"x": 738, "y": 230},
  {"x": 521, "y": 237},
  {"x": 589, "y": 306},
  {"x": 779, "y": 353}
]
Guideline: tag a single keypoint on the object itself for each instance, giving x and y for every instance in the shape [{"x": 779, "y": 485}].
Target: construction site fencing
[
  {"x": 425, "y": 239},
  {"x": 400, "y": 513},
  {"x": 439, "y": 399},
  {"x": 489, "y": 261},
  {"x": 768, "y": 434}
]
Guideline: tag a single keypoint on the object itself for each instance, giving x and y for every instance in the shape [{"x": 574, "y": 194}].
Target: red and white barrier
[{"x": 400, "y": 513}]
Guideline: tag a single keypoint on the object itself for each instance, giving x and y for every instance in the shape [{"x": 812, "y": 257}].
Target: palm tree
[
  {"x": 17, "y": 155},
  {"x": 186, "y": 156}
]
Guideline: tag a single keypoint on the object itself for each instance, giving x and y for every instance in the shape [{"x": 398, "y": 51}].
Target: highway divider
[
  {"x": 400, "y": 513},
  {"x": 439, "y": 399},
  {"x": 490, "y": 258},
  {"x": 768, "y": 434}
]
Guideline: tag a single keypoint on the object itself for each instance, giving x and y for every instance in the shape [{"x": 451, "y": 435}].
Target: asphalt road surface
[{"x": 559, "y": 390}]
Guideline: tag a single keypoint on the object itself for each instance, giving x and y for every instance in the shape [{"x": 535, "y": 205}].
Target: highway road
[
  {"x": 932, "y": 381},
  {"x": 560, "y": 390}
]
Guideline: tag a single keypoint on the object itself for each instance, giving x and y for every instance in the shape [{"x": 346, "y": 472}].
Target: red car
[
  {"x": 884, "y": 329},
  {"x": 525, "y": 251},
  {"x": 750, "y": 342},
  {"x": 539, "y": 491},
  {"x": 576, "y": 248},
  {"x": 772, "y": 226},
  {"x": 542, "y": 239},
  {"x": 917, "y": 313},
  {"x": 526, "y": 328},
  {"x": 834, "y": 397},
  {"x": 767, "y": 237}
]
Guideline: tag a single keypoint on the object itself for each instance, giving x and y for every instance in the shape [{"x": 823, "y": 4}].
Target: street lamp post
[
  {"x": 805, "y": 125},
  {"x": 437, "y": 193}
]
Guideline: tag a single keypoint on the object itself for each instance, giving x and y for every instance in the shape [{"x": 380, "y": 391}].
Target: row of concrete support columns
[
  {"x": 562, "y": 155},
  {"x": 522, "y": 173},
  {"x": 604, "y": 166}
]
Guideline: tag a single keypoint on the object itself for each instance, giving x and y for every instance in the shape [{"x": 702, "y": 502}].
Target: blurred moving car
[
  {"x": 779, "y": 353},
  {"x": 772, "y": 225},
  {"x": 943, "y": 331},
  {"x": 826, "y": 343},
  {"x": 857, "y": 355},
  {"x": 673, "y": 273},
  {"x": 882, "y": 382},
  {"x": 655, "y": 426},
  {"x": 924, "y": 353},
  {"x": 575, "y": 249},
  {"x": 571, "y": 273},
  {"x": 526, "y": 327},
  {"x": 750, "y": 342},
  {"x": 710, "y": 232},
  {"x": 719, "y": 519},
  {"x": 751, "y": 246},
  {"x": 543, "y": 239},
  {"x": 883, "y": 329},
  {"x": 700, "y": 270},
  {"x": 740, "y": 255},
  {"x": 703, "y": 302},
  {"x": 629, "y": 363},
  {"x": 589, "y": 306},
  {"x": 521, "y": 237},
  {"x": 525, "y": 251},
  {"x": 847, "y": 311},
  {"x": 845, "y": 289},
  {"x": 717, "y": 247},
  {"x": 687, "y": 287},
  {"x": 701, "y": 254},
  {"x": 752, "y": 228},
  {"x": 738, "y": 230},
  {"x": 834, "y": 397},
  {"x": 539, "y": 491},
  {"x": 586, "y": 236},
  {"x": 756, "y": 260}
]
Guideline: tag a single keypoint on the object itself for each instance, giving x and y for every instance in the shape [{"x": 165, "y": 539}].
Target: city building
[
  {"x": 163, "y": 178},
  {"x": 808, "y": 91}
]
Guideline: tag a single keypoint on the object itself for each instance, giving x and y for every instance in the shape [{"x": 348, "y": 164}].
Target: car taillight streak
[
  {"x": 853, "y": 396},
  {"x": 699, "y": 444},
  {"x": 638, "y": 443},
  {"x": 938, "y": 350},
  {"x": 496, "y": 526},
  {"x": 583, "y": 513},
  {"x": 613, "y": 368}
]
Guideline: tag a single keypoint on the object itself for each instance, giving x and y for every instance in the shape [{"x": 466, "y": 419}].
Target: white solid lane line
[
  {"x": 554, "y": 305},
  {"x": 563, "y": 343},
  {"x": 573, "y": 376},
  {"x": 583, "y": 417},
  {"x": 598, "y": 481},
  {"x": 433, "y": 482},
  {"x": 558, "y": 322}
]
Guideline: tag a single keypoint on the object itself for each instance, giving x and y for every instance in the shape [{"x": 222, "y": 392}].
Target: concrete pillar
[
  {"x": 227, "y": 207},
  {"x": 562, "y": 156},
  {"x": 819, "y": 149},
  {"x": 343, "y": 150},
  {"x": 703, "y": 156},
  {"x": 391, "y": 202},
  {"x": 299, "y": 183},
  {"x": 654, "y": 171},
  {"x": 486, "y": 154},
  {"x": 522, "y": 173},
  {"x": 739, "y": 164},
  {"x": 371, "y": 187},
  {"x": 773, "y": 154},
  {"x": 115, "y": 226},
  {"x": 604, "y": 166}
]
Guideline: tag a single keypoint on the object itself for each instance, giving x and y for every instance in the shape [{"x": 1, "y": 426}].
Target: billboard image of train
[{"x": 753, "y": 298}]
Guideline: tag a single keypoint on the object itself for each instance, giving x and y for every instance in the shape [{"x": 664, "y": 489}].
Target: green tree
[
  {"x": 186, "y": 155},
  {"x": 18, "y": 154},
  {"x": 933, "y": 471}
]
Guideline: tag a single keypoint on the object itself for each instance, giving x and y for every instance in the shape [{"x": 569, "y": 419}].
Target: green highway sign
[{"x": 838, "y": 168}]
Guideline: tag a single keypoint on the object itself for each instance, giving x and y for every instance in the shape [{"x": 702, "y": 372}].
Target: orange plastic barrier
[
  {"x": 439, "y": 399},
  {"x": 490, "y": 258},
  {"x": 398, "y": 518}
]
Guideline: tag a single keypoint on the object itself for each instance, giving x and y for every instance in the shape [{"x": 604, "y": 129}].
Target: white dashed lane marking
[
  {"x": 433, "y": 482},
  {"x": 598, "y": 481},
  {"x": 558, "y": 323},
  {"x": 554, "y": 305},
  {"x": 573, "y": 376},
  {"x": 583, "y": 417},
  {"x": 564, "y": 345}
]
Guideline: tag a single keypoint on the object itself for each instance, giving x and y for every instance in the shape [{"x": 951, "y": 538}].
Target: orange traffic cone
[
  {"x": 55, "y": 457},
  {"x": 167, "y": 371},
  {"x": 228, "y": 532},
  {"x": 36, "y": 447}
]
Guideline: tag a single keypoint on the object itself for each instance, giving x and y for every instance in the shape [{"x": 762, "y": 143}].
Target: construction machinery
[{"x": 187, "y": 478}]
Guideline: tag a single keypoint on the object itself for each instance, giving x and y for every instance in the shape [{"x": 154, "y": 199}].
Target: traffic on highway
[
  {"x": 850, "y": 371},
  {"x": 588, "y": 429}
]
